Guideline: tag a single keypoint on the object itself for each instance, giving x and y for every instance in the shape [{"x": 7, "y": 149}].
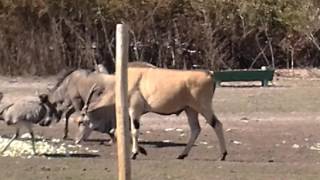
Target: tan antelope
[{"x": 168, "y": 92}]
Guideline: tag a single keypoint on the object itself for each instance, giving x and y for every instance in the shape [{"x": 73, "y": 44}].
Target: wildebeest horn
[
  {"x": 86, "y": 105},
  {"x": 1, "y": 96}
]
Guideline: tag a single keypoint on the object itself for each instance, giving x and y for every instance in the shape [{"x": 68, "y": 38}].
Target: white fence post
[{"x": 121, "y": 90}]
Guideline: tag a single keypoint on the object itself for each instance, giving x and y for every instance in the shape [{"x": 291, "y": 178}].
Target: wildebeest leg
[
  {"x": 77, "y": 104},
  {"x": 195, "y": 131},
  {"x": 66, "y": 127},
  {"x": 113, "y": 138},
  {"x": 15, "y": 136},
  {"x": 214, "y": 122}
]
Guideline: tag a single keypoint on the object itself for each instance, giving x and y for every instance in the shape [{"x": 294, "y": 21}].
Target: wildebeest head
[
  {"x": 57, "y": 98},
  {"x": 51, "y": 113}
]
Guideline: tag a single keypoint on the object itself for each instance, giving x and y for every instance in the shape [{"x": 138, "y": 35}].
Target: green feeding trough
[{"x": 264, "y": 75}]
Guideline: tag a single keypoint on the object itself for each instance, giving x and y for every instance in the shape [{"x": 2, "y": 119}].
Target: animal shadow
[
  {"x": 77, "y": 155},
  {"x": 161, "y": 144},
  {"x": 106, "y": 142}
]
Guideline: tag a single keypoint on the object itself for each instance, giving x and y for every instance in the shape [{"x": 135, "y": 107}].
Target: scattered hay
[
  {"x": 315, "y": 147},
  {"x": 45, "y": 148}
]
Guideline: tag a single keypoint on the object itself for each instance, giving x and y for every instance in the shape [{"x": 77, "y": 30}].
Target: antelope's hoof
[
  {"x": 143, "y": 151},
  {"x": 182, "y": 156},
  {"x": 65, "y": 137},
  {"x": 134, "y": 155},
  {"x": 224, "y": 156}
]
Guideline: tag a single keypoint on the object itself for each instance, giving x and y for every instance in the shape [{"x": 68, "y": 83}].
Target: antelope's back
[{"x": 169, "y": 90}]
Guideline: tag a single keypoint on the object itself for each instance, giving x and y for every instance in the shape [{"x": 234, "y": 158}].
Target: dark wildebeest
[
  {"x": 70, "y": 93},
  {"x": 100, "y": 119},
  {"x": 26, "y": 113},
  {"x": 168, "y": 92}
]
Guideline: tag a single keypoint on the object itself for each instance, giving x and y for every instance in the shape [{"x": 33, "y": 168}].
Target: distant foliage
[{"x": 41, "y": 37}]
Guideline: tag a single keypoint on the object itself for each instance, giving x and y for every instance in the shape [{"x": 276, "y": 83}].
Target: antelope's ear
[{"x": 43, "y": 98}]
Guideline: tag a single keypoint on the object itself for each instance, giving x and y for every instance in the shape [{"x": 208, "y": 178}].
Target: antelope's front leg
[{"x": 135, "y": 126}]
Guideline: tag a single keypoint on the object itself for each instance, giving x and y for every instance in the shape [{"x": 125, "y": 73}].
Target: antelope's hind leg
[
  {"x": 218, "y": 128},
  {"x": 195, "y": 131}
]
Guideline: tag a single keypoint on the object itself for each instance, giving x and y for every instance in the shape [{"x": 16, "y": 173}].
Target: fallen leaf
[
  {"x": 295, "y": 146},
  {"x": 236, "y": 142},
  {"x": 179, "y": 130},
  {"x": 168, "y": 129},
  {"x": 209, "y": 147},
  {"x": 203, "y": 142}
]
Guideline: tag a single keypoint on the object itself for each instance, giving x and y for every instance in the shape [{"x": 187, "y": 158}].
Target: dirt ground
[{"x": 271, "y": 133}]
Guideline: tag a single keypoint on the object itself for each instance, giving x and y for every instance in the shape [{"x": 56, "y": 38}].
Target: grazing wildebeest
[
  {"x": 168, "y": 92},
  {"x": 26, "y": 113},
  {"x": 70, "y": 93},
  {"x": 101, "y": 119}
]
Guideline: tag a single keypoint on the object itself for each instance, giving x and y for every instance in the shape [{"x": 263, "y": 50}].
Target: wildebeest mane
[{"x": 61, "y": 76}]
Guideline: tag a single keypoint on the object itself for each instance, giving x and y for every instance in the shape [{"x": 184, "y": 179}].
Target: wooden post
[{"x": 121, "y": 93}]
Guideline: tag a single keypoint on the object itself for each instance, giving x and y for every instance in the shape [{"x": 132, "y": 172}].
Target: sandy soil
[{"x": 271, "y": 133}]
